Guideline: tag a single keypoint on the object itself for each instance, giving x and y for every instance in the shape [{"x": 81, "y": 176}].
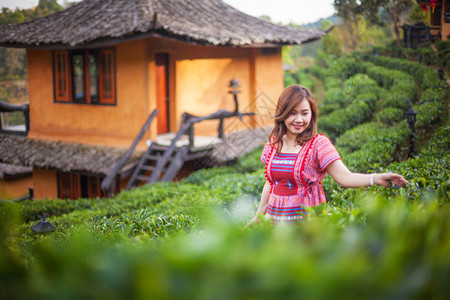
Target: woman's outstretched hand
[
  {"x": 384, "y": 178},
  {"x": 253, "y": 220}
]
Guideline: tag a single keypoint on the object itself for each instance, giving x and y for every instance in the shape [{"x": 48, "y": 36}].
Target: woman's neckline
[{"x": 295, "y": 148}]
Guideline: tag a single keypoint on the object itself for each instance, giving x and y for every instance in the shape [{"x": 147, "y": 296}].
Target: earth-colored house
[
  {"x": 439, "y": 22},
  {"x": 98, "y": 69}
]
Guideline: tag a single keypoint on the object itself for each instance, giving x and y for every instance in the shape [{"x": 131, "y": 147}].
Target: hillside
[{"x": 186, "y": 240}]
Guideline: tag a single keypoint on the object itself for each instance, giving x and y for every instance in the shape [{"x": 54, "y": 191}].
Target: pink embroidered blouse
[{"x": 295, "y": 179}]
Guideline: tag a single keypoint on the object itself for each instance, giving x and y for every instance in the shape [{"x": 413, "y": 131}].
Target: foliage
[
  {"x": 304, "y": 79},
  {"x": 13, "y": 61},
  {"x": 202, "y": 175},
  {"x": 429, "y": 113},
  {"x": 299, "y": 77},
  {"x": 341, "y": 250},
  {"x": 332, "y": 82},
  {"x": 390, "y": 115},
  {"x": 381, "y": 149},
  {"x": 396, "y": 9},
  {"x": 318, "y": 71},
  {"x": 428, "y": 173},
  {"x": 289, "y": 79},
  {"x": 358, "y": 84},
  {"x": 398, "y": 98},
  {"x": 426, "y": 76},
  {"x": 333, "y": 99},
  {"x": 186, "y": 240},
  {"x": 443, "y": 54},
  {"x": 344, "y": 67},
  {"x": 354, "y": 138},
  {"x": 433, "y": 95},
  {"x": 249, "y": 162},
  {"x": 344, "y": 119}
]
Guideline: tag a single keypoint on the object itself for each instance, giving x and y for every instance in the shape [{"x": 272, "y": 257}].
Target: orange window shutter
[
  {"x": 76, "y": 188},
  {"x": 64, "y": 185},
  {"x": 107, "y": 77},
  {"x": 94, "y": 187},
  {"x": 62, "y": 71},
  {"x": 87, "y": 83}
]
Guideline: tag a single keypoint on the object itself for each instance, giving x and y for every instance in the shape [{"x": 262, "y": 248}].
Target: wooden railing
[
  {"x": 420, "y": 32},
  {"x": 188, "y": 121},
  {"x": 25, "y": 108},
  {"x": 108, "y": 182},
  {"x": 187, "y": 127}
]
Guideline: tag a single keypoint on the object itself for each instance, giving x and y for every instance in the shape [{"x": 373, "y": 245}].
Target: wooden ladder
[{"x": 159, "y": 163}]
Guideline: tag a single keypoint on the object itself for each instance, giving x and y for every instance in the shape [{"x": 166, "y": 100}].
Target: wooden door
[{"x": 162, "y": 91}]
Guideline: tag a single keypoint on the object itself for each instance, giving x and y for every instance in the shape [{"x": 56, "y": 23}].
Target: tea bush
[
  {"x": 332, "y": 82},
  {"x": 342, "y": 120},
  {"x": 354, "y": 138},
  {"x": 289, "y": 79},
  {"x": 200, "y": 176},
  {"x": 380, "y": 150},
  {"x": 304, "y": 79},
  {"x": 390, "y": 115},
  {"x": 333, "y": 99},
  {"x": 358, "y": 84},
  {"x": 372, "y": 247},
  {"x": 142, "y": 223},
  {"x": 398, "y": 98},
  {"x": 443, "y": 54},
  {"x": 318, "y": 71},
  {"x": 344, "y": 67},
  {"x": 370, "y": 98},
  {"x": 428, "y": 173},
  {"x": 428, "y": 114},
  {"x": 299, "y": 77},
  {"x": 433, "y": 95},
  {"x": 429, "y": 57},
  {"x": 426, "y": 76},
  {"x": 250, "y": 162},
  {"x": 387, "y": 78},
  {"x": 429, "y": 78}
]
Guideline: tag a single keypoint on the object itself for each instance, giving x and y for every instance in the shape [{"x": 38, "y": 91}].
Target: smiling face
[
  {"x": 295, "y": 116},
  {"x": 298, "y": 119}
]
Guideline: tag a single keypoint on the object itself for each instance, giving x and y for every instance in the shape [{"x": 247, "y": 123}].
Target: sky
[{"x": 284, "y": 11}]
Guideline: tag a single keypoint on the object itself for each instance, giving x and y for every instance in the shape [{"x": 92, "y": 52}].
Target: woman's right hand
[{"x": 253, "y": 220}]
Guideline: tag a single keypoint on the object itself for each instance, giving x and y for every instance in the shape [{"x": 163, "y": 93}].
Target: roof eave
[{"x": 162, "y": 34}]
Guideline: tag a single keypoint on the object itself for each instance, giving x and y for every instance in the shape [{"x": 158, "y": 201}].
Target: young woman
[{"x": 297, "y": 159}]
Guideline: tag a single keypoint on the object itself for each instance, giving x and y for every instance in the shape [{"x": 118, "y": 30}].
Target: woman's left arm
[{"x": 344, "y": 177}]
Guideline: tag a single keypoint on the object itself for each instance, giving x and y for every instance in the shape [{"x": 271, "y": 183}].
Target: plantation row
[
  {"x": 186, "y": 240},
  {"x": 367, "y": 141}
]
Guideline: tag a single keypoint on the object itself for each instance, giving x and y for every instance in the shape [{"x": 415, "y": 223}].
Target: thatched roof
[
  {"x": 210, "y": 22},
  {"x": 62, "y": 156},
  {"x": 8, "y": 171}
]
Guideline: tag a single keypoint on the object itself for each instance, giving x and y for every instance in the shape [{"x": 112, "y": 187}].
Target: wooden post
[
  {"x": 220, "y": 128},
  {"x": 26, "y": 114},
  {"x": 190, "y": 132}
]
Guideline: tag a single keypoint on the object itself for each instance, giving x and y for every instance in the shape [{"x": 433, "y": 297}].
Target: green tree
[
  {"x": 330, "y": 42},
  {"x": 351, "y": 13},
  {"x": 397, "y": 10},
  {"x": 13, "y": 61}
]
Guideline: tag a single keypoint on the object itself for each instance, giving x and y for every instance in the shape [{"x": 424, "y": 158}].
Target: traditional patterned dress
[{"x": 295, "y": 178}]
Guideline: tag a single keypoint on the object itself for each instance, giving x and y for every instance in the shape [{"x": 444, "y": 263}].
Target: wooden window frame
[
  {"x": 103, "y": 98},
  {"x": 68, "y": 186},
  {"x": 111, "y": 99},
  {"x": 79, "y": 185},
  {"x": 64, "y": 75}
]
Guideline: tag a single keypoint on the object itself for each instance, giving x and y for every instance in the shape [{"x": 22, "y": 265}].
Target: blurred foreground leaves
[{"x": 371, "y": 248}]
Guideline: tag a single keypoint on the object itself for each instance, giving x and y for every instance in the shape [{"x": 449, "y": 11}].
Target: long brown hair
[{"x": 289, "y": 98}]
